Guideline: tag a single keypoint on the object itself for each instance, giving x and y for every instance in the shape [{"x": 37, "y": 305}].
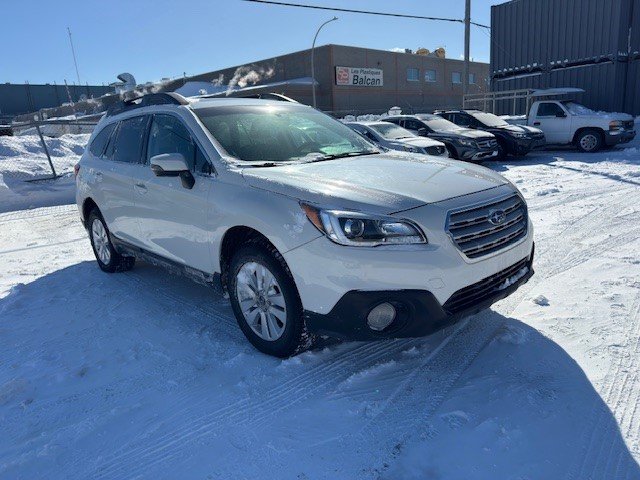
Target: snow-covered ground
[{"x": 143, "y": 374}]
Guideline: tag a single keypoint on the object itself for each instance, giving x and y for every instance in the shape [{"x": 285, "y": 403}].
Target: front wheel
[
  {"x": 589, "y": 141},
  {"x": 265, "y": 301},
  {"x": 108, "y": 259}
]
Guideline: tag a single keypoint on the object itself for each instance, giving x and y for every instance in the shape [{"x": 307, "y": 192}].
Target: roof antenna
[{"x": 73, "y": 52}]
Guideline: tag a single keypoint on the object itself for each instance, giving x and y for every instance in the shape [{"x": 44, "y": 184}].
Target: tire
[
  {"x": 452, "y": 151},
  {"x": 589, "y": 141},
  {"x": 273, "y": 319},
  {"x": 108, "y": 259},
  {"x": 502, "y": 151}
]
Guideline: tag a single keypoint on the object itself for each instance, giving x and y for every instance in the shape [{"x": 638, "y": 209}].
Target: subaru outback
[{"x": 310, "y": 234}]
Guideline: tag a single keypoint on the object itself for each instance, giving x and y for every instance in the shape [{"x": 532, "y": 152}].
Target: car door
[
  {"x": 172, "y": 219},
  {"x": 119, "y": 160},
  {"x": 552, "y": 119}
]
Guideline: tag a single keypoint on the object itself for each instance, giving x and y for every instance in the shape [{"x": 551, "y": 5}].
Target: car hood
[
  {"x": 421, "y": 142},
  {"x": 518, "y": 129},
  {"x": 382, "y": 183},
  {"x": 462, "y": 132},
  {"x": 610, "y": 116}
]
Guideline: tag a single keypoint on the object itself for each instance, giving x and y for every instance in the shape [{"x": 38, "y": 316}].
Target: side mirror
[
  {"x": 422, "y": 132},
  {"x": 172, "y": 165},
  {"x": 561, "y": 114}
]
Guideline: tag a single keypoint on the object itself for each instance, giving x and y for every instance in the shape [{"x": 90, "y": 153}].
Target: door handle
[
  {"x": 140, "y": 187},
  {"x": 535, "y": 124}
]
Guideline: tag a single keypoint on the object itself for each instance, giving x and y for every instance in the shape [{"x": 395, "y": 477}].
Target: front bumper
[
  {"x": 418, "y": 311},
  {"x": 623, "y": 136},
  {"x": 483, "y": 155}
]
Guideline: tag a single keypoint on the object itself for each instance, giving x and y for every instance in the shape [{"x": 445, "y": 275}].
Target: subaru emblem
[{"x": 497, "y": 217}]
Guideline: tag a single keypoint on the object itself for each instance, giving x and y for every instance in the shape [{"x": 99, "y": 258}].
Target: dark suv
[
  {"x": 462, "y": 143},
  {"x": 512, "y": 139}
]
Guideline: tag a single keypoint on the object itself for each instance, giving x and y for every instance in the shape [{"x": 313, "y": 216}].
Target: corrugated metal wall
[
  {"x": 21, "y": 98},
  {"x": 590, "y": 44}
]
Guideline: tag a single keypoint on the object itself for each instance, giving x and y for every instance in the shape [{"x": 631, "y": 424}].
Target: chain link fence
[
  {"x": 37, "y": 163},
  {"x": 43, "y": 150}
]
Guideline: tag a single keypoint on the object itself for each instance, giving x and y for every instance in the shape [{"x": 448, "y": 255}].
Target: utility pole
[
  {"x": 73, "y": 52},
  {"x": 467, "y": 37}
]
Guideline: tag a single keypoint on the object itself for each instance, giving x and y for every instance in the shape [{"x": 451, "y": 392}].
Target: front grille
[
  {"x": 436, "y": 150},
  {"x": 491, "y": 143},
  {"x": 485, "y": 288},
  {"x": 476, "y": 235}
]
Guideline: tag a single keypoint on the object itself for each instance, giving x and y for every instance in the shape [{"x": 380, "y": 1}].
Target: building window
[
  {"x": 430, "y": 76},
  {"x": 413, "y": 74},
  {"x": 472, "y": 79},
  {"x": 456, "y": 77}
]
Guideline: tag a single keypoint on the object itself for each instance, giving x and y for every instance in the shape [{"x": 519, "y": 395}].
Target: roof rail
[
  {"x": 268, "y": 96},
  {"x": 164, "y": 98},
  {"x": 240, "y": 94}
]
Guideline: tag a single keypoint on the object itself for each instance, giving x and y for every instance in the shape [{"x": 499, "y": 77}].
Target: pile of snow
[{"x": 22, "y": 159}]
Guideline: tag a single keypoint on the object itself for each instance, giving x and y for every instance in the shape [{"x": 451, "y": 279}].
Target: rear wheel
[
  {"x": 589, "y": 141},
  {"x": 265, "y": 301},
  {"x": 108, "y": 259}
]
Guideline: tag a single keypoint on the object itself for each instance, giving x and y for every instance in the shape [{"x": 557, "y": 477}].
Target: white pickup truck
[{"x": 569, "y": 123}]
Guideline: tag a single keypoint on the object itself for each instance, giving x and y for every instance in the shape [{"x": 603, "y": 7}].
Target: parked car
[
  {"x": 394, "y": 137},
  {"x": 512, "y": 139},
  {"x": 6, "y": 130},
  {"x": 307, "y": 237},
  {"x": 462, "y": 143},
  {"x": 569, "y": 123}
]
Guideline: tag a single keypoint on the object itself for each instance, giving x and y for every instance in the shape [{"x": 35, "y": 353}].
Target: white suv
[{"x": 308, "y": 227}]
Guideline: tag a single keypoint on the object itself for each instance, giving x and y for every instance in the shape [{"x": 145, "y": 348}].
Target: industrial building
[
  {"x": 363, "y": 80},
  {"x": 349, "y": 80},
  {"x": 588, "y": 44},
  {"x": 16, "y": 99}
]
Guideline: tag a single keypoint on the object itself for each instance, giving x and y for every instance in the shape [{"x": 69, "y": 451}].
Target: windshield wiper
[{"x": 345, "y": 155}]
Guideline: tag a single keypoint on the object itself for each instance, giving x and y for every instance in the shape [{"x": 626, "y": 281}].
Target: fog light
[{"x": 381, "y": 316}]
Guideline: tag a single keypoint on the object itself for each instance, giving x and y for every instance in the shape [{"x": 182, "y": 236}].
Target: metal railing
[{"x": 507, "y": 100}]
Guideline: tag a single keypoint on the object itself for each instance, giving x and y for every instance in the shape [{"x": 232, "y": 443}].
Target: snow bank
[{"x": 22, "y": 159}]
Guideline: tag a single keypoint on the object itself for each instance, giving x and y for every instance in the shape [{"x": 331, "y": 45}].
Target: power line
[{"x": 366, "y": 12}]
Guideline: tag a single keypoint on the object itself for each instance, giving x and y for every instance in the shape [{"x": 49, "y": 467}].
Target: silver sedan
[{"x": 394, "y": 137}]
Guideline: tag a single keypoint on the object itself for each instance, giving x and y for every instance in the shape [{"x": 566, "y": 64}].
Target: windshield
[
  {"x": 281, "y": 133},
  {"x": 489, "y": 119},
  {"x": 436, "y": 123},
  {"x": 577, "y": 109},
  {"x": 391, "y": 131}
]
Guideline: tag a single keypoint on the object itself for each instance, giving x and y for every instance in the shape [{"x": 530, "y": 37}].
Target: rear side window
[
  {"x": 100, "y": 142},
  {"x": 127, "y": 147},
  {"x": 169, "y": 135}
]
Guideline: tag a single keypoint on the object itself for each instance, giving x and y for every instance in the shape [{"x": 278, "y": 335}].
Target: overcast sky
[{"x": 164, "y": 38}]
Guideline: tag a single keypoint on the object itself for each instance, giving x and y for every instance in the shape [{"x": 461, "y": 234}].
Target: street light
[{"x": 313, "y": 72}]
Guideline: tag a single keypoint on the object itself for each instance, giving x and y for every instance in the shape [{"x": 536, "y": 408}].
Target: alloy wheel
[
  {"x": 101, "y": 241},
  {"x": 261, "y": 301}
]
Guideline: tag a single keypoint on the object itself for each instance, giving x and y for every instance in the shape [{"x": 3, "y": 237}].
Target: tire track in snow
[
  {"x": 597, "y": 438},
  {"x": 247, "y": 411}
]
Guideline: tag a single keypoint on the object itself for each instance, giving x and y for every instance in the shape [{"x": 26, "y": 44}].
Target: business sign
[{"x": 359, "y": 77}]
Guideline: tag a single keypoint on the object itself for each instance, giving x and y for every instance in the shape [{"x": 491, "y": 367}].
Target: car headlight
[
  {"x": 467, "y": 143},
  {"x": 411, "y": 149},
  {"x": 615, "y": 125},
  {"x": 363, "y": 230},
  {"x": 519, "y": 134}
]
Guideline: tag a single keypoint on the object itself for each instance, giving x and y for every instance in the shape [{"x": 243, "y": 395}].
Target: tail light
[{"x": 76, "y": 169}]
